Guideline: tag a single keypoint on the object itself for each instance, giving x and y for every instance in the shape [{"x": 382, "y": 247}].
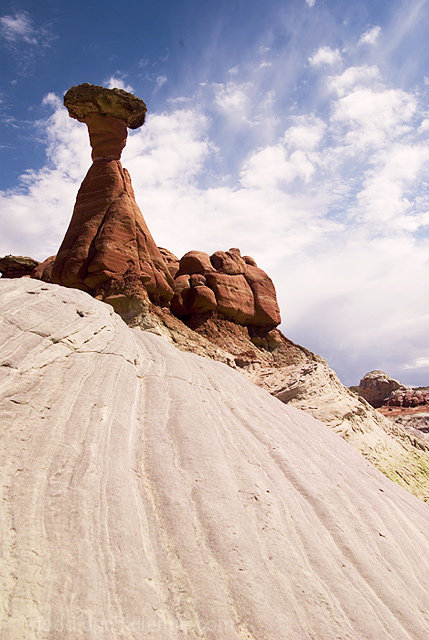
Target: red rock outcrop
[
  {"x": 233, "y": 295},
  {"x": 108, "y": 244},
  {"x": 43, "y": 271},
  {"x": 376, "y": 387},
  {"x": 170, "y": 260},
  {"x": 408, "y": 398},
  {"x": 195, "y": 262},
  {"x": 228, "y": 283},
  {"x": 266, "y": 309}
]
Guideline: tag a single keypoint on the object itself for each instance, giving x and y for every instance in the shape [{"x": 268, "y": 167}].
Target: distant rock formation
[
  {"x": 17, "y": 266},
  {"x": 376, "y": 386},
  {"x": 108, "y": 249},
  {"x": 408, "y": 397}
]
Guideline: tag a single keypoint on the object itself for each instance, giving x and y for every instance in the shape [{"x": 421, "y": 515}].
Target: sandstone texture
[
  {"x": 152, "y": 493},
  {"x": 108, "y": 249},
  {"x": 376, "y": 387},
  {"x": 170, "y": 260},
  {"x": 43, "y": 271},
  {"x": 17, "y": 266},
  {"x": 242, "y": 292},
  {"x": 304, "y": 380}
]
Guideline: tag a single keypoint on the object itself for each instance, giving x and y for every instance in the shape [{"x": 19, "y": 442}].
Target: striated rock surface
[
  {"x": 376, "y": 387},
  {"x": 17, "y": 266},
  {"x": 151, "y": 493},
  {"x": 170, "y": 260},
  {"x": 108, "y": 248},
  {"x": 266, "y": 309},
  {"x": 302, "y": 379},
  {"x": 400, "y": 453}
]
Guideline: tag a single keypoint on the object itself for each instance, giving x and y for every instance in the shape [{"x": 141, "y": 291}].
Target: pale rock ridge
[
  {"x": 152, "y": 493},
  {"x": 400, "y": 453}
]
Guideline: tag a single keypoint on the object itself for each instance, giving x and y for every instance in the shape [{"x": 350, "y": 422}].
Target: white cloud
[
  {"x": 19, "y": 33},
  {"x": 324, "y": 56},
  {"x": 306, "y": 133},
  {"x": 310, "y": 3},
  {"x": 18, "y": 27},
  {"x": 418, "y": 363},
  {"x": 232, "y": 97},
  {"x": 161, "y": 80},
  {"x": 264, "y": 65},
  {"x": 370, "y": 36},
  {"x": 353, "y": 77},
  {"x": 117, "y": 81},
  {"x": 370, "y": 117},
  {"x": 384, "y": 203}
]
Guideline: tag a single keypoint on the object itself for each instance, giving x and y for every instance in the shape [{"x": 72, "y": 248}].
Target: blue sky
[{"x": 295, "y": 130}]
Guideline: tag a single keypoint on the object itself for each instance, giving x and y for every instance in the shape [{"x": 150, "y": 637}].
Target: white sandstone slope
[{"x": 151, "y": 493}]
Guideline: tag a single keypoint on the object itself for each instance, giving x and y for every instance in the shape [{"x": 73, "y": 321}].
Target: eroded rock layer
[
  {"x": 108, "y": 239},
  {"x": 228, "y": 283},
  {"x": 108, "y": 248},
  {"x": 151, "y": 493}
]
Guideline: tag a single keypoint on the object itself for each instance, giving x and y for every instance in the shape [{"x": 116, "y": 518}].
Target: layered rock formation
[
  {"x": 228, "y": 283},
  {"x": 108, "y": 249},
  {"x": 149, "y": 493},
  {"x": 407, "y": 397},
  {"x": 376, "y": 386}
]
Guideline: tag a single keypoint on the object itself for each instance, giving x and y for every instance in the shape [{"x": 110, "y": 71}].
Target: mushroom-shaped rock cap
[{"x": 90, "y": 98}]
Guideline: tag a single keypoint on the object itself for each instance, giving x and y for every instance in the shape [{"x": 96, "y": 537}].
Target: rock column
[{"x": 108, "y": 248}]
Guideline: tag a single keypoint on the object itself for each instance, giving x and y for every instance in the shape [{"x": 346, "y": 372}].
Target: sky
[{"x": 296, "y": 130}]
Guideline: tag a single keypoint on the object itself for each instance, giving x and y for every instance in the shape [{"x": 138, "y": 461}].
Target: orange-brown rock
[
  {"x": 197, "y": 279},
  {"x": 43, "y": 271},
  {"x": 244, "y": 293},
  {"x": 267, "y": 311},
  {"x": 228, "y": 262},
  {"x": 107, "y": 135},
  {"x": 408, "y": 398},
  {"x": 376, "y": 386},
  {"x": 108, "y": 244},
  {"x": 201, "y": 299},
  {"x": 233, "y": 295},
  {"x": 195, "y": 262},
  {"x": 179, "y": 304},
  {"x": 170, "y": 260}
]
